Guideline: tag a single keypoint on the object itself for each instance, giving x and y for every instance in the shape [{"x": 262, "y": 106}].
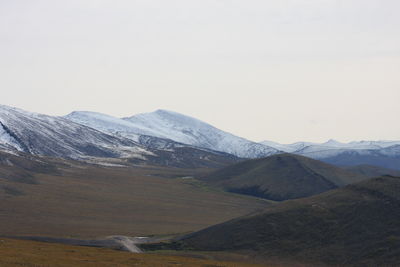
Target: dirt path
[
  {"x": 115, "y": 242},
  {"x": 129, "y": 243}
]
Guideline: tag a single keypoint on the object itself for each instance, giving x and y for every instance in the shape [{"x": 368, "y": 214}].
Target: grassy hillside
[
  {"x": 281, "y": 177},
  {"x": 356, "y": 225},
  {"x": 52, "y": 197},
  {"x": 372, "y": 171},
  {"x": 37, "y": 254}
]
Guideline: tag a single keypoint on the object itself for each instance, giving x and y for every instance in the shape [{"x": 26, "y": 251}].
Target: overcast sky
[{"x": 279, "y": 70}]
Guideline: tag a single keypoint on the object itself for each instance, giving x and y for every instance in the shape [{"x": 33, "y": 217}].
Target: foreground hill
[
  {"x": 357, "y": 224},
  {"x": 60, "y": 198},
  {"x": 281, "y": 177}
]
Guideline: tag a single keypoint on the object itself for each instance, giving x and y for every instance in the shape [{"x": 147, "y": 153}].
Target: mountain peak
[
  {"x": 332, "y": 142},
  {"x": 166, "y": 111},
  {"x": 163, "y": 115},
  {"x": 188, "y": 130},
  {"x": 174, "y": 126},
  {"x": 87, "y": 114}
]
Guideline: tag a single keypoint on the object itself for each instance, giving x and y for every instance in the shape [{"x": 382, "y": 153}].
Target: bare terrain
[
  {"x": 76, "y": 200},
  {"x": 17, "y": 253}
]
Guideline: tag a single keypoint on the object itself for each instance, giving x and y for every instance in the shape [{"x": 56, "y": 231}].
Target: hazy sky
[{"x": 278, "y": 70}]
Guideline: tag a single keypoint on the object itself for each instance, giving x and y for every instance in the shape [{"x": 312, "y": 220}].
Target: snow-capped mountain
[
  {"x": 167, "y": 138},
  {"x": 309, "y": 147},
  {"x": 374, "y": 144},
  {"x": 109, "y": 124},
  {"x": 380, "y": 153},
  {"x": 188, "y": 130},
  {"x": 39, "y": 134},
  {"x": 174, "y": 126}
]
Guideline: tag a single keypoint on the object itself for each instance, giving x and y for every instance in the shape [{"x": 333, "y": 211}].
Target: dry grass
[
  {"x": 86, "y": 201},
  {"x": 38, "y": 254}
]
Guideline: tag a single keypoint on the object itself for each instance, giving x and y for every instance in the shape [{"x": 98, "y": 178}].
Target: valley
[
  {"x": 165, "y": 187},
  {"x": 74, "y": 199},
  {"x": 211, "y": 133}
]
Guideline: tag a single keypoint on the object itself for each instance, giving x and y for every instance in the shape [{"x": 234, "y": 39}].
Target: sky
[{"x": 280, "y": 70}]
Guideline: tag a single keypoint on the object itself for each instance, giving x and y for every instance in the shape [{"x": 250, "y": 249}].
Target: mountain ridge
[
  {"x": 40, "y": 134},
  {"x": 381, "y": 153},
  {"x": 145, "y": 133},
  {"x": 177, "y": 127}
]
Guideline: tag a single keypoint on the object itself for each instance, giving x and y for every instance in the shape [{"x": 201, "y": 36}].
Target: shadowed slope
[
  {"x": 357, "y": 224},
  {"x": 281, "y": 177}
]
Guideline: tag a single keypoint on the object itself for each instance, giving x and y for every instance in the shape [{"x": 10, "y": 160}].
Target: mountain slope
[
  {"x": 188, "y": 130},
  {"x": 40, "y": 134},
  {"x": 109, "y": 124},
  {"x": 281, "y": 177},
  {"x": 356, "y": 225},
  {"x": 122, "y": 128}
]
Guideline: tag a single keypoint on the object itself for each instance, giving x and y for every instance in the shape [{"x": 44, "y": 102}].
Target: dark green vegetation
[
  {"x": 372, "y": 171},
  {"x": 52, "y": 197},
  {"x": 281, "y": 177},
  {"x": 354, "y": 225}
]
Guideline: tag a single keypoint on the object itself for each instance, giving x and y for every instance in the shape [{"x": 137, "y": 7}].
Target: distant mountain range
[
  {"x": 330, "y": 145},
  {"x": 168, "y": 138},
  {"x": 380, "y": 153}
]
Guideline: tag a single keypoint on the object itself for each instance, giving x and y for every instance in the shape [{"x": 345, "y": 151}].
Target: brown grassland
[
  {"x": 38, "y": 254},
  {"x": 72, "y": 199}
]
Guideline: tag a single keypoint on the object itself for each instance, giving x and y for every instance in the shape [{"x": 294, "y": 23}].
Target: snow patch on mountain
[
  {"x": 289, "y": 148},
  {"x": 188, "y": 130},
  {"x": 40, "y": 134},
  {"x": 109, "y": 124},
  {"x": 7, "y": 141},
  {"x": 333, "y": 148},
  {"x": 156, "y": 128}
]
